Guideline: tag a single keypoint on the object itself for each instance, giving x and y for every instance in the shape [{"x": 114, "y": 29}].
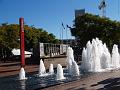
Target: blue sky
[{"x": 49, "y": 14}]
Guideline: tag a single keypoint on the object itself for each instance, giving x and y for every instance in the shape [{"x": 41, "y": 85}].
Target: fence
[{"x": 49, "y": 50}]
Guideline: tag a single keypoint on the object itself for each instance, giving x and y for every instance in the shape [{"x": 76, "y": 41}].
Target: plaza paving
[
  {"x": 13, "y": 68},
  {"x": 100, "y": 81}
]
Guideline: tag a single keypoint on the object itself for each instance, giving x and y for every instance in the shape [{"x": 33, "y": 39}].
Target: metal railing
[{"x": 50, "y": 50}]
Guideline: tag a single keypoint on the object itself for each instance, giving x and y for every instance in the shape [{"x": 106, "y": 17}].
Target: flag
[
  {"x": 63, "y": 25},
  {"x": 68, "y": 26}
]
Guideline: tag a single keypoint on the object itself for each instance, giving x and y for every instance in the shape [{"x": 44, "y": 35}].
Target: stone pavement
[
  {"x": 12, "y": 68},
  {"x": 100, "y": 81}
]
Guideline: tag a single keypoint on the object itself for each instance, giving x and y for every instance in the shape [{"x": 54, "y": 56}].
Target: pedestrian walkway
[
  {"x": 12, "y": 68},
  {"x": 99, "y": 81}
]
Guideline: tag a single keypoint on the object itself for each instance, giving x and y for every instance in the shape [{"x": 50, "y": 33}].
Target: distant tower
[
  {"x": 79, "y": 12},
  {"x": 102, "y": 7}
]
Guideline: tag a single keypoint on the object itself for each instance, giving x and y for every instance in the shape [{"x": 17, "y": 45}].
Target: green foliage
[
  {"x": 34, "y": 35},
  {"x": 90, "y": 26},
  {"x": 10, "y": 37}
]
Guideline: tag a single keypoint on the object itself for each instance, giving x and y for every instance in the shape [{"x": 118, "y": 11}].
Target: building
[{"x": 79, "y": 12}]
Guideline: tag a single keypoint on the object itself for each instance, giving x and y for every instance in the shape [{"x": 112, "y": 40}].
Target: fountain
[
  {"x": 51, "y": 70},
  {"x": 69, "y": 60},
  {"x": 105, "y": 58},
  {"x": 60, "y": 75},
  {"x": 33, "y": 80},
  {"x": 85, "y": 64},
  {"x": 73, "y": 68},
  {"x": 115, "y": 57},
  {"x": 42, "y": 69},
  {"x": 22, "y": 74},
  {"x": 96, "y": 57}
]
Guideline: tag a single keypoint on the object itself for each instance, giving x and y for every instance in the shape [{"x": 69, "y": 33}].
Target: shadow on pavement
[
  {"x": 77, "y": 89},
  {"x": 109, "y": 84}
]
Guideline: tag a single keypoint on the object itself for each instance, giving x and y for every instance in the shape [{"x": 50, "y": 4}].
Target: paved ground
[
  {"x": 100, "y": 81},
  {"x": 12, "y": 68}
]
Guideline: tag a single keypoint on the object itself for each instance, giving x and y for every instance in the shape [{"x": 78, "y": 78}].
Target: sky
[{"x": 49, "y": 14}]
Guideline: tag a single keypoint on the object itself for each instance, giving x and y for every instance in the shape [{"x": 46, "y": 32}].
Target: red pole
[{"x": 21, "y": 22}]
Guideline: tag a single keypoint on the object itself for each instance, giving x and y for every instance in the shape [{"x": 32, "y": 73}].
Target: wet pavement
[{"x": 98, "y": 81}]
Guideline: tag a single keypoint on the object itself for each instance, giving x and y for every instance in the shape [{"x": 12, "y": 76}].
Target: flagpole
[
  {"x": 66, "y": 36},
  {"x": 62, "y": 31},
  {"x": 62, "y": 35}
]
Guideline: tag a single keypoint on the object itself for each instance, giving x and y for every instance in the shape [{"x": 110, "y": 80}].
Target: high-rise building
[{"x": 79, "y": 12}]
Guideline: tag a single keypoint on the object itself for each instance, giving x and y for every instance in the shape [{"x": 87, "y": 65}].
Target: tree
[
  {"x": 10, "y": 37},
  {"x": 88, "y": 26}
]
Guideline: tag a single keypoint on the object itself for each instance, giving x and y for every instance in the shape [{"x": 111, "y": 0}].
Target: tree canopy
[
  {"x": 10, "y": 37},
  {"x": 88, "y": 26}
]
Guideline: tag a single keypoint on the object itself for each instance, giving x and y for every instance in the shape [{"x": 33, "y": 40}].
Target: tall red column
[{"x": 22, "y": 44}]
